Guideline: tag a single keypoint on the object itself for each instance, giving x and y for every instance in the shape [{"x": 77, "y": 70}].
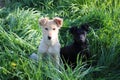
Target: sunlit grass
[{"x": 20, "y": 36}]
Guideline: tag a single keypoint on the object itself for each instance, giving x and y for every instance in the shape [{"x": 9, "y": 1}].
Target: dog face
[
  {"x": 79, "y": 34},
  {"x": 50, "y": 28}
]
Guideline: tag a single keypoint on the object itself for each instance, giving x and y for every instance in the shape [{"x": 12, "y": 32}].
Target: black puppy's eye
[
  {"x": 53, "y": 28},
  {"x": 46, "y": 28},
  {"x": 83, "y": 32}
]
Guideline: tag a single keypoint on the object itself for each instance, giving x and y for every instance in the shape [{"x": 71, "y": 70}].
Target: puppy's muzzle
[{"x": 49, "y": 38}]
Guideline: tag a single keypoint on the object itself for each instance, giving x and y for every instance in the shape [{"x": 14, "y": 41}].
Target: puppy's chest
[
  {"x": 52, "y": 49},
  {"x": 75, "y": 50}
]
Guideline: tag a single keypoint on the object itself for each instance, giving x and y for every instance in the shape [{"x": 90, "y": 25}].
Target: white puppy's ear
[
  {"x": 58, "y": 21},
  {"x": 43, "y": 21}
]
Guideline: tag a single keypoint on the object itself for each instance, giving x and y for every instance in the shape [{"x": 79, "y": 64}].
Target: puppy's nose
[{"x": 49, "y": 37}]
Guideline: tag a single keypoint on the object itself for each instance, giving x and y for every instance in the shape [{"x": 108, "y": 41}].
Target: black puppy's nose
[{"x": 49, "y": 37}]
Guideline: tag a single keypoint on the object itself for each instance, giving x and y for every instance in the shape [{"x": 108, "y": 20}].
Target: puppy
[
  {"x": 49, "y": 45},
  {"x": 69, "y": 54}
]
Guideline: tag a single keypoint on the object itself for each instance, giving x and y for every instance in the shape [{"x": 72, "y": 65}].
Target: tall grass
[{"x": 20, "y": 36}]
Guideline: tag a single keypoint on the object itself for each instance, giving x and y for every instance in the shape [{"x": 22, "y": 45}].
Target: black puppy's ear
[
  {"x": 85, "y": 26},
  {"x": 73, "y": 29}
]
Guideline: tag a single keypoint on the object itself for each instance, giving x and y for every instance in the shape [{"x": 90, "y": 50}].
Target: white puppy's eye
[
  {"x": 46, "y": 28},
  {"x": 53, "y": 28}
]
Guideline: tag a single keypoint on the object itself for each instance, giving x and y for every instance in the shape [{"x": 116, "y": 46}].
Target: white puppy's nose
[{"x": 49, "y": 38}]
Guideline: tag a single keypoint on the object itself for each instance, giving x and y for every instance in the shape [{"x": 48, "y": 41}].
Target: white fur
[
  {"x": 52, "y": 46},
  {"x": 34, "y": 56}
]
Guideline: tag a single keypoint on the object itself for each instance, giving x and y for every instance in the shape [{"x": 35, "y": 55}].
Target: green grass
[{"x": 20, "y": 36}]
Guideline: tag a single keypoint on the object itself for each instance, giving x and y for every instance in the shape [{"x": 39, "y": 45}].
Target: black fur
[{"x": 78, "y": 47}]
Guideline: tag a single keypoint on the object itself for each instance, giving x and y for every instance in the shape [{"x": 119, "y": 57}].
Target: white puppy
[{"x": 49, "y": 45}]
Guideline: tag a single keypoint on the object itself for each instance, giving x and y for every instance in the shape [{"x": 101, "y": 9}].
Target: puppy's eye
[
  {"x": 46, "y": 28},
  {"x": 53, "y": 28},
  {"x": 83, "y": 32}
]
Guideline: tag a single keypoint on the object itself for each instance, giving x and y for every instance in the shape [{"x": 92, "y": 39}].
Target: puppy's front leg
[
  {"x": 56, "y": 59},
  {"x": 55, "y": 55},
  {"x": 42, "y": 47}
]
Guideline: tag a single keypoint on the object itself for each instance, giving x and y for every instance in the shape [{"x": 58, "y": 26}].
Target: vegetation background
[{"x": 20, "y": 36}]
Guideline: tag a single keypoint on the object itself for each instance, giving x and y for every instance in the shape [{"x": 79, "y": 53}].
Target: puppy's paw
[{"x": 34, "y": 56}]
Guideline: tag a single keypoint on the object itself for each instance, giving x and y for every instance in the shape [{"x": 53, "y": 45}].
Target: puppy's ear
[
  {"x": 43, "y": 21},
  {"x": 85, "y": 27},
  {"x": 73, "y": 29},
  {"x": 58, "y": 21}
]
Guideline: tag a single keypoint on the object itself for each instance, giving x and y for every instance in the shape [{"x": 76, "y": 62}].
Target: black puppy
[{"x": 69, "y": 54}]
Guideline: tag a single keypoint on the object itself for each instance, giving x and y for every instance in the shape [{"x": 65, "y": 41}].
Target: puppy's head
[
  {"x": 79, "y": 34},
  {"x": 50, "y": 27}
]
